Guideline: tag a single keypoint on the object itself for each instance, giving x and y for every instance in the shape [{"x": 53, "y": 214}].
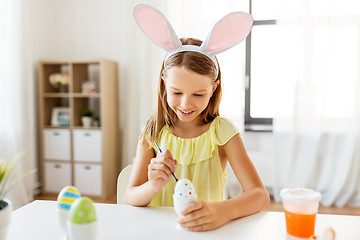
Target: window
[{"x": 260, "y": 66}]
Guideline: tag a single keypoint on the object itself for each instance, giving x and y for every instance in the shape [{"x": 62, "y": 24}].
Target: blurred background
[{"x": 292, "y": 88}]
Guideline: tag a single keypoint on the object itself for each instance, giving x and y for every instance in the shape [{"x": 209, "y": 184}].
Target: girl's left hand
[{"x": 202, "y": 216}]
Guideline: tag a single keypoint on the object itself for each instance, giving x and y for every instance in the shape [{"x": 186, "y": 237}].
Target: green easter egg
[{"x": 82, "y": 211}]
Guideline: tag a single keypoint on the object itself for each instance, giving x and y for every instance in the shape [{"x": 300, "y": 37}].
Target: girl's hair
[{"x": 197, "y": 63}]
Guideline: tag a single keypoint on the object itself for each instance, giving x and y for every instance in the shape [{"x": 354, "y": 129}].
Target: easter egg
[
  {"x": 67, "y": 196},
  {"x": 82, "y": 211},
  {"x": 184, "y": 189},
  {"x": 184, "y": 194}
]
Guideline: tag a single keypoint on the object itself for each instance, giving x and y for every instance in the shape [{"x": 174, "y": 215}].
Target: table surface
[{"x": 38, "y": 220}]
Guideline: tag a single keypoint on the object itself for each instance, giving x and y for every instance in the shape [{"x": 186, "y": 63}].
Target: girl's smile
[{"x": 186, "y": 112}]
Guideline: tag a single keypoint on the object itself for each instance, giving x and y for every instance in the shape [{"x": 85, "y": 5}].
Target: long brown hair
[{"x": 197, "y": 63}]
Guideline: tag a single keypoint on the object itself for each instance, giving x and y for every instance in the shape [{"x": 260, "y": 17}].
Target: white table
[{"x": 38, "y": 220}]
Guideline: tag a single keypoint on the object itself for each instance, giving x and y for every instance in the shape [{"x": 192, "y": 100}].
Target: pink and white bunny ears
[{"x": 228, "y": 32}]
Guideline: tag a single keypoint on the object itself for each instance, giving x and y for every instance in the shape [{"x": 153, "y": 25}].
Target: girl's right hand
[{"x": 159, "y": 170}]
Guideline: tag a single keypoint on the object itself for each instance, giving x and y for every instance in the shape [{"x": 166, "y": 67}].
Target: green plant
[
  {"x": 96, "y": 118},
  {"x": 87, "y": 112},
  {"x": 11, "y": 172}
]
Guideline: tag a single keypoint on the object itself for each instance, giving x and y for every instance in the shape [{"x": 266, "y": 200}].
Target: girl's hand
[
  {"x": 202, "y": 216},
  {"x": 159, "y": 170}
]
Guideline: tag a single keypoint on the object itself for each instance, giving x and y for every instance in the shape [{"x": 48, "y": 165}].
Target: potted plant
[
  {"x": 86, "y": 118},
  {"x": 96, "y": 121},
  {"x": 10, "y": 173}
]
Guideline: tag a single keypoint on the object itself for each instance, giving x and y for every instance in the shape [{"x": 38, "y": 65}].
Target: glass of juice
[{"x": 300, "y": 207}]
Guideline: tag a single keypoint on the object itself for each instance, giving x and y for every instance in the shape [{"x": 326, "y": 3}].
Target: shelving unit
[{"x": 87, "y": 158}]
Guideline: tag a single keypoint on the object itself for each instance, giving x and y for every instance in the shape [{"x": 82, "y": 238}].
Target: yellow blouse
[{"x": 198, "y": 160}]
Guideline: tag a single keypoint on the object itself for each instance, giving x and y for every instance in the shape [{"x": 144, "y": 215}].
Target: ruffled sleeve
[
  {"x": 223, "y": 131},
  {"x": 192, "y": 150}
]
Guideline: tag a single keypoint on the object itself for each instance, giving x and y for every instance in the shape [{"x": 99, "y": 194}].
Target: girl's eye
[
  {"x": 177, "y": 93},
  {"x": 198, "y": 95}
]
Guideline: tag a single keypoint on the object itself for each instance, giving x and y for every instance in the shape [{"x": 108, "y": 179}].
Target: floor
[{"x": 274, "y": 206}]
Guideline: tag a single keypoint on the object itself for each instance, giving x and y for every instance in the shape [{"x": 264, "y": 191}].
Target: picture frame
[
  {"x": 60, "y": 116},
  {"x": 88, "y": 87}
]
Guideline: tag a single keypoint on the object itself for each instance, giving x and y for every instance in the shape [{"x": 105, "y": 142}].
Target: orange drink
[
  {"x": 300, "y": 207},
  {"x": 300, "y": 225}
]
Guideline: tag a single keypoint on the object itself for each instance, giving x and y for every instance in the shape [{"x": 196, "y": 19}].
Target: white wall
[{"x": 94, "y": 29}]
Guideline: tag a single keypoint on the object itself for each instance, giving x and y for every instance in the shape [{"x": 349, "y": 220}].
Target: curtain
[
  {"x": 17, "y": 113},
  {"x": 317, "y": 122}
]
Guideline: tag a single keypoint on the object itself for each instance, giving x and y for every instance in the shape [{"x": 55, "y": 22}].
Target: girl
[{"x": 199, "y": 142}]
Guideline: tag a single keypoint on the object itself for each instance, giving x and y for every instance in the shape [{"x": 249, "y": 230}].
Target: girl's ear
[{"x": 216, "y": 84}]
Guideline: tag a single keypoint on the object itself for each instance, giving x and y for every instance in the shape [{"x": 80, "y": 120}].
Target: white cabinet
[
  {"x": 57, "y": 144},
  {"x": 88, "y": 178},
  {"x": 57, "y": 175},
  {"x": 87, "y": 145}
]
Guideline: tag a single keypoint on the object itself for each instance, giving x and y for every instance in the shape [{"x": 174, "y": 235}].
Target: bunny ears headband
[{"x": 227, "y": 32}]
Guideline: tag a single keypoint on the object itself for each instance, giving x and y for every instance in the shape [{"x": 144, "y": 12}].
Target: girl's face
[{"x": 188, "y": 93}]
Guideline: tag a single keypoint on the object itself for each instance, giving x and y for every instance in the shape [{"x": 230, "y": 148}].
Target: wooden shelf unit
[{"x": 87, "y": 158}]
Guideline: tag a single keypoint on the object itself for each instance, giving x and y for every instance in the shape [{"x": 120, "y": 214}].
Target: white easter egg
[{"x": 184, "y": 188}]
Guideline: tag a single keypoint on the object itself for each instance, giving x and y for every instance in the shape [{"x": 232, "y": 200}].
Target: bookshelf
[{"x": 71, "y": 154}]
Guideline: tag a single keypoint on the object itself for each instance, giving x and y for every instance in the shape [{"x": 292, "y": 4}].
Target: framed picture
[
  {"x": 60, "y": 116},
  {"x": 88, "y": 87}
]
